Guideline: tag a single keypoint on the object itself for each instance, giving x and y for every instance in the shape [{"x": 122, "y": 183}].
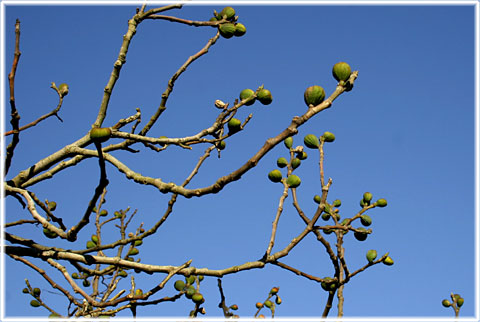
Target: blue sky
[{"x": 406, "y": 132}]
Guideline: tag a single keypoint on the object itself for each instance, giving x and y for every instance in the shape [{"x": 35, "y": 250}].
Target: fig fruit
[
  {"x": 138, "y": 292},
  {"x": 227, "y": 12},
  {"x": 133, "y": 251},
  {"x": 446, "y": 303},
  {"x": 278, "y": 300},
  {"x": 190, "y": 279},
  {"x": 328, "y": 231},
  {"x": 460, "y": 301},
  {"x": 103, "y": 213},
  {"x": 337, "y": 203},
  {"x": 234, "y": 125},
  {"x": 34, "y": 303},
  {"x": 282, "y": 162},
  {"x": 361, "y": 234},
  {"x": 371, "y": 255},
  {"x": 63, "y": 89},
  {"x": 52, "y": 205},
  {"x": 325, "y": 216},
  {"x": 95, "y": 239},
  {"x": 100, "y": 134},
  {"x": 36, "y": 291},
  {"x": 314, "y": 95},
  {"x": 275, "y": 175},
  {"x": 221, "y": 145},
  {"x": 311, "y": 141},
  {"x": 365, "y": 220},
  {"x": 268, "y": 303},
  {"x": 25, "y": 290},
  {"x": 302, "y": 156},
  {"x": 328, "y": 137},
  {"x": 86, "y": 283},
  {"x": 49, "y": 234},
  {"x": 296, "y": 163},
  {"x": 317, "y": 199},
  {"x": 388, "y": 261},
  {"x": 247, "y": 94},
  {"x": 240, "y": 30},
  {"x": 293, "y": 181},
  {"x": 75, "y": 276},
  {"x": 381, "y": 203},
  {"x": 197, "y": 298},
  {"x": 259, "y": 305},
  {"x": 90, "y": 244},
  {"x": 179, "y": 285},
  {"x": 288, "y": 142},
  {"x": 367, "y": 197},
  {"x": 190, "y": 291},
  {"x": 227, "y": 30},
  {"x": 234, "y": 307},
  {"x": 138, "y": 242},
  {"x": 264, "y": 96},
  {"x": 274, "y": 290},
  {"x": 328, "y": 284},
  {"x": 122, "y": 273},
  {"x": 341, "y": 71}
]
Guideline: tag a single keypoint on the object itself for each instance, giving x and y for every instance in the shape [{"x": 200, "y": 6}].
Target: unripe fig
[
  {"x": 49, "y": 234},
  {"x": 327, "y": 209},
  {"x": 25, "y": 290},
  {"x": 381, "y": 203},
  {"x": 344, "y": 222},
  {"x": 138, "y": 292},
  {"x": 227, "y": 30},
  {"x": 282, "y": 162},
  {"x": 264, "y": 96},
  {"x": 371, "y": 255},
  {"x": 75, "y": 276},
  {"x": 234, "y": 125},
  {"x": 190, "y": 279},
  {"x": 259, "y": 305},
  {"x": 311, "y": 141},
  {"x": 367, "y": 197},
  {"x": 278, "y": 300},
  {"x": 268, "y": 303},
  {"x": 314, "y": 95},
  {"x": 293, "y": 181},
  {"x": 138, "y": 242},
  {"x": 325, "y": 216},
  {"x": 52, "y": 205},
  {"x": 328, "y": 284},
  {"x": 197, "y": 298},
  {"x": 388, "y": 261},
  {"x": 341, "y": 71},
  {"x": 317, "y": 199},
  {"x": 90, "y": 244},
  {"x": 34, "y": 303},
  {"x": 134, "y": 251},
  {"x": 100, "y": 134},
  {"x": 55, "y": 315},
  {"x": 275, "y": 175},
  {"x": 227, "y": 12},
  {"x": 274, "y": 290},
  {"x": 103, "y": 213},
  {"x": 86, "y": 283},
  {"x": 221, "y": 145},
  {"x": 213, "y": 19},
  {"x": 36, "y": 291},
  {"x": 288, "y": 142},
  {"x": 361, "y": 234},
  {"x": 365, "y": 220},
  {"x": 122, "y": 273},
  {"x": 302, "y": 156},
  {"x": 95, "y": 239},
  {"x": 190, "y": 291},
  {"x": 328, "y": 137},
  {"x": 179, "y": 285},
  {"x": 337, "y": 203},
  {"x": 446, "y": 303},
  {"x": 247, "y": 94},
  {"x": 234, "y": 307},
  {"x": 63, "y": 89},
  {"x": 296, "y": 163},
  {"x": 240, "y": 30},
  {"x": 328, "y": 231},
  {"x": 200, "y": 278},
  {"x": 460, "y": 301},
  {"x": 130, "y": 259}
]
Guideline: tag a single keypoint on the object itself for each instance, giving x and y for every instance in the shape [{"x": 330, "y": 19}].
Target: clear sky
[{"x": 406, "y": 133}]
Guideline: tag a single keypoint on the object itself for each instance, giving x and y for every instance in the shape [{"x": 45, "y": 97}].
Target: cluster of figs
[
  {"x": 270, "y": 303},
  {"x": 230, "y": 28},
  {"x": 188, "y": 287}
]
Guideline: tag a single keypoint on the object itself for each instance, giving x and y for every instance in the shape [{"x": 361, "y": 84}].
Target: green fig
[
  {"x": 227, "y": 12},
  {"x": 234, "y": 125},
  {"x": 52, "y": 205},
  {"x": 268, "y": 303},
  {"x": 282, "y": 162},
  {"x": 25, "y": 290},
  {"x": 134, "y": 251},
  {"x": 314, "y": 95},
  {"x": 49, "y": 234},
  {"x": 264, "y": 96},
  {"x": 197, "y": 298},
  {"x": 460, "y": 301},
  {"x": 234, "y": 307},
  {"x": 221, "y": 145},
  {"x": 103, "y": 213},
  {"x": 34, "y": 303},
  {"x": 296, "y": 163},
  {"x": 100, "y": 134},
  {"x": 337, "y": 203},
  {"x": 311, "y": 141},
  {"x": 227, "y": 30},
  {"x": 213, "y": 19},
  {"x": 122, "y": 273},
  {"x": 341, "y": 71},
  {"x": 190, "y": 291},
  {"x": 344, "y": 222},
  {"x": 381, "y": 203},
  {"x": 365, "y": 220},
  {"x": 90, "y": 244},
  {"x": 138, "y": 292},
  {"x": 95, "y": 239},
  {"x": 247, "y": 94},
  {"x": 371, "y": 255},
  {"x": 190, "y": 279},
  {"x": 367, "y": 197},
  {"x": 86, "y": 283},
  {"x": 55, "y": 315},
  {"x": 328, "y": 231},
  {"x": 325, "y": 216},
  {"x": 200, "y": 278},
  {"x": 317, "y": 199},
  {"x": 179, "y": 285},
  {"x": 388, "y": 261},
  {"x": 63, "y": 89},
  {"x": 361, "y": 234},
  {"x": 75, "y": 276},
  {"x": 446, "y": 303},
  {"x": 258, "y": 305},
  {"x": 275, "y": 175},
  {"x": 293, "y": 181},
  {"x": 302, "y": 156},
  {"x": 240, "y": 30},
  {"x": 328, "y": 284},
  {"x": 288, "y": 142},
  {"x": 138, "y": 242},
  {"x": 36, "y": 291},
  {"x": 328, "y": 137}
]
